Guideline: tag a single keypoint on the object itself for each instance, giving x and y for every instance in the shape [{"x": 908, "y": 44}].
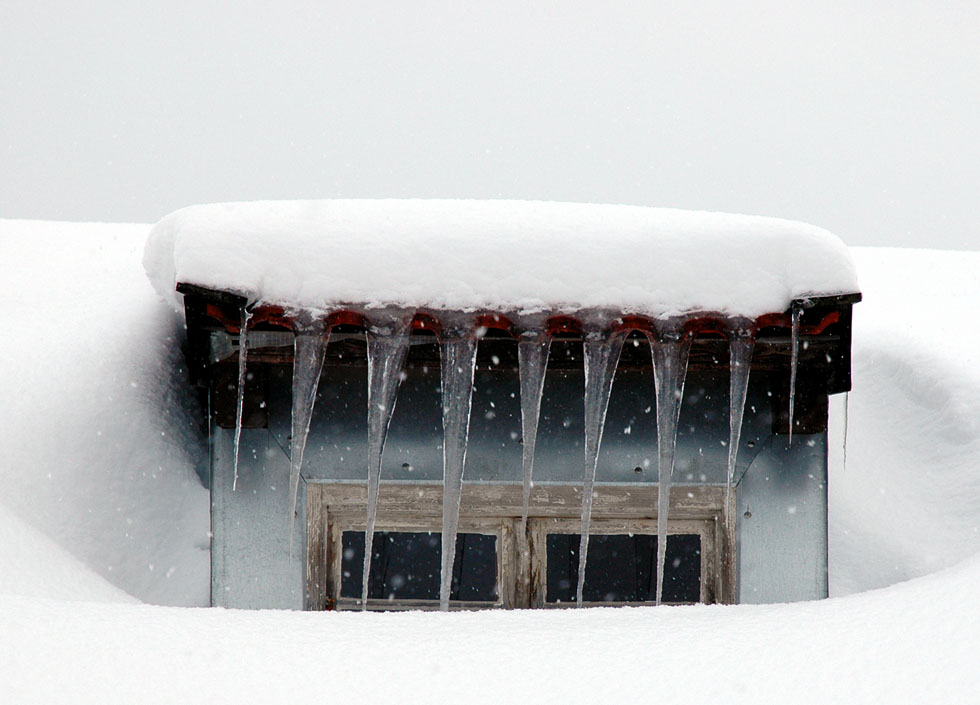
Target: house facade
[
  {"x": 761, "y": 539},
  {"x": 459, "y": 405}
]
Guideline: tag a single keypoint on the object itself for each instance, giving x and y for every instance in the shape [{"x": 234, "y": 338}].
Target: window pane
[
  {"x": 406, "y": 566},
  {"x": 622, "y": 568}
]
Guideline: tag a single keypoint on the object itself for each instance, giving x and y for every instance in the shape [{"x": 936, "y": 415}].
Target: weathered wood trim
[
  {"x": 317, "y": 596},
  {"x": 705, "y": 528},
  {"x": 229, "y": 298},
  {"x": 834, "y": 300},
  {"x": 629, "y": 501},
  {"x": 523, "y": 568},
  {"x": 728, "y": 542},
  {"x": 346, "y": 521},
  {"x": 496, "y": 509}
]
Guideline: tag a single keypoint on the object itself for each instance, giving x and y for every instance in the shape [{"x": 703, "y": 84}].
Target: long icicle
[
  {"x": 670, "y": 354},
  {"x": 309, "y": 349},
  {"x": 532, "y": 357},
  {"x": 794, "y": 339},
  {"x": 601, "y": 358},
  {"x": 240, "y": 406},
  {"x": 458, "y": 367},
  {"x": 387, "y": 348},
  {"x": 847, "y": 401},
  {"x": 741, "y": 342}
]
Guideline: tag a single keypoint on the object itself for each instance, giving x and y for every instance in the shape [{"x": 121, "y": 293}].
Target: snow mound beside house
[
  {"x": 99, "y": 436},
  {"x": 35, "y": 566},
  {"x": 509, "y": 256},
  {"x": 908, "y": 501}
]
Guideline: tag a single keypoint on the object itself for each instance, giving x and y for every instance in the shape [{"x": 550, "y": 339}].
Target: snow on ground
[
  {"x": 97, "y": 440},
  {"x": 912, "y": 643}
]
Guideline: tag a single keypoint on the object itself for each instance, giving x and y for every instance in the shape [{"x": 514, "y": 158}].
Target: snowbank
[
  {"x": 98, "y": 432},
  {"x": 908, "y": 501},
  {"x": 911, "y": 643},
  {"x": 498, "y": 255},
  {"x": 35, "y": 566}
]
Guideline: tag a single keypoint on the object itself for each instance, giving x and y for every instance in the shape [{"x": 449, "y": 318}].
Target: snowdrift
[{"x": 98, "y": 424}]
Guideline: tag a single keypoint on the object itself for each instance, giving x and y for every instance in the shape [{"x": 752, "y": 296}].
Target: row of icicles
[{"x": 387, "y": 350}]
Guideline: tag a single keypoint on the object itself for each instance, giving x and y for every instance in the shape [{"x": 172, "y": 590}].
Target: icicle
[
  {"x": 239, "y": 409},
  {"x": 740, "y": 345},
  {"x": 847, "y": 400},
  {"x": 309, "y": 348},
  {"x": 670, "y": 353},
  {"x": 458, "y": 367},
  {"x": 532, "y": 356},
  {"x": 387, "y": 348},
  {"x": 794, "y": 361},
  {"x": 601, "y": 357}
]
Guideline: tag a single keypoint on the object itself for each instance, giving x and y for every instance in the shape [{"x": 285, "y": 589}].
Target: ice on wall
[
  {"x": 532, "y": 355},
  {"x": 499, "y": 255},
  {"x": 600, "y": 358},
  {"x": 740, "y": 347},
  {"x": 456, "y": 371},
  {"x": 240, "y": 401},
  {"x": 387, "y": 350},
  {"x": 309, "y": 350},
  {"x": 670, "y": 355}
]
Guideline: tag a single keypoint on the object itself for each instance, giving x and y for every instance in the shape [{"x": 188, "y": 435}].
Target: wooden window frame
[
  {"x": 333, "y": 508},
  {"x": 342, "y": 522},
  {"x": 540, "y": 528}
]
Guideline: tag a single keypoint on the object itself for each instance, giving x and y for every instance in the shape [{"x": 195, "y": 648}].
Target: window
[
  {"x": 406, "y": 563},
  {"x": 406, "y": 567},
  {"x": 492, "y": 569},
  {"x": 622, "y": 561}
]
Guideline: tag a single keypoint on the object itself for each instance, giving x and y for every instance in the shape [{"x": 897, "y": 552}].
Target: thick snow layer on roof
[{"x": 497, "y": 255}]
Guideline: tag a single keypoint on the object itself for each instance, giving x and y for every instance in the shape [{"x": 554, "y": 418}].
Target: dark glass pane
[
  {"x": 406, "y": 566},
  {"x": 682, "y": 572},
  {"x": 622, "y": 568}
]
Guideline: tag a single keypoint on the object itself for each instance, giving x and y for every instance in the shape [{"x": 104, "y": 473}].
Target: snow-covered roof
[{"x": 518, "y": 256}]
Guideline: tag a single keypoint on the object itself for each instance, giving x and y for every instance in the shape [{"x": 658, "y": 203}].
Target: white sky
[{"x": 859, "y": 117}]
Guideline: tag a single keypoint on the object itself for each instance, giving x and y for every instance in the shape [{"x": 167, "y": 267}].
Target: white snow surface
[
  {"x": 98, "y": 433},
  {"x": 98, "y": 444},
  {"x": 35, "y": 566},
  {"x": 908, "y": 501},
  {"x": 519, "y": 256}
]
